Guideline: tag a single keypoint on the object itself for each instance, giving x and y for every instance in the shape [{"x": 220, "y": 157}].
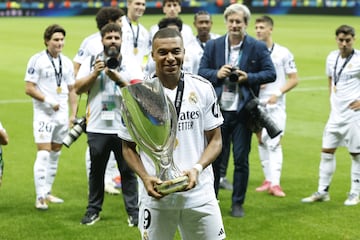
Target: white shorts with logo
[
  {"x": 47, "y": 129},
  {"x": 342, "y": 134},
  {"x": 200, "y": 223}
]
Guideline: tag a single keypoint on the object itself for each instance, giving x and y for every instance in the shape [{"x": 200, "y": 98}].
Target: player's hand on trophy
[{"x": 150, "y": 182}]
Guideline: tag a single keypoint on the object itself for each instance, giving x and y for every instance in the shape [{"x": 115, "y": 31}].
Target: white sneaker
[
  {"x": 353, "y": 199},
  {"x": 52, "y": 199},
  {"x": 40, "y": 204},
  {"x": 317, "y": 197},
  {"x": 110, "y": 189}
]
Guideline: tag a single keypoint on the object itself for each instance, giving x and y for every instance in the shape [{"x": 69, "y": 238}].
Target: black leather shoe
[{"x": 237, "y": 211}]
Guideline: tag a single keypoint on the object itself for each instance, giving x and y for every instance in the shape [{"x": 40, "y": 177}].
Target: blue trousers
[{"x": 235, "y": 131}]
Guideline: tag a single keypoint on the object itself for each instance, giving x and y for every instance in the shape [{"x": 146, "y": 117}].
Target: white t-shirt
[
  {"x": 347, "y": 87},
  {"x": 41, "y": 72},
  {"x": 193, "y": 54},
  {"x": 199, "y": 112},
  {"x": 91, "y": 45},
  {"x": 284, "y": 64},
  {"x": 129, "y": 33},
  {"x": 103, "y": 111}
]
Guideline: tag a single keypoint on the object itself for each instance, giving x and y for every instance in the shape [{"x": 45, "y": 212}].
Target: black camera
[
  {"x": 112, "y": 62},
  {"x": 234, "y": 76},
  {"x": 75, "y": 132},
  {"x": 261, "y": 119}
]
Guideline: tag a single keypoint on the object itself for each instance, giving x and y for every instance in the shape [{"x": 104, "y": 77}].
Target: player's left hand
[
  {"x": 355, "y": 105},
  {"x": 193, "y": 177}
]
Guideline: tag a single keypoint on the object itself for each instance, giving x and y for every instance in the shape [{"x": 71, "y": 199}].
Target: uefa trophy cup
[{"x": 151, "y": 120}]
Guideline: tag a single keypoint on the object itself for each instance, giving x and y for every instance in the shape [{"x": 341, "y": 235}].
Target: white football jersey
[
  {"x": 105, "y": 91},
  {"x": 129, "y": 34},
  {"x": 284, "y": 64},
  {"x": 199, "y": 113},
  {"x": 41, "y": 72},
  {"x": 347, "y": 88},
  {"x": 91, "y": 45}
]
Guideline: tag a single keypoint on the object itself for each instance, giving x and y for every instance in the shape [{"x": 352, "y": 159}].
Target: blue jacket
[{"x": 255, "y": 61}]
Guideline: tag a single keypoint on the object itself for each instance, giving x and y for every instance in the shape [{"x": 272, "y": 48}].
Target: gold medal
[
  {"x": 334, "y": 89},
  {"x": 135, "y": 50},
  {"x": 58, "y": 90}
]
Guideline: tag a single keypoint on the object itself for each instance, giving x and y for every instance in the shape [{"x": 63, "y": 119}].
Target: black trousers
[{"x": 100, "y": 147}]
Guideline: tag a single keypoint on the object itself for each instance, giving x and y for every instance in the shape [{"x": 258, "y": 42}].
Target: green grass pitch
[{"x": 310, "y": 38}]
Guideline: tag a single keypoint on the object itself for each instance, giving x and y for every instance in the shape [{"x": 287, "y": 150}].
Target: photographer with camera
[
  {"x": 234, "y": 64},
  {"x": 92, "y": 46},
  {"x": 100, "y": 81},
  {"x": 50, "y": 83}
]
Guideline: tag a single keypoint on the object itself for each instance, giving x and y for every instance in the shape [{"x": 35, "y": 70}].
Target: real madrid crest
[{"x": 193, "y": 98}]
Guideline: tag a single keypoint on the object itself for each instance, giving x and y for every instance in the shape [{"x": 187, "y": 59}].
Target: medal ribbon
[
  {"x": 58, "y": 75},
  {"x": 337, "y": 76},
  {"x": 137, "y": 33}
]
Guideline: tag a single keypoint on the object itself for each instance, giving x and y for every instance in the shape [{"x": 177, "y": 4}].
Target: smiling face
[
  {"x": 136, "y": 9},
  {"x": 168, "y": 54}
]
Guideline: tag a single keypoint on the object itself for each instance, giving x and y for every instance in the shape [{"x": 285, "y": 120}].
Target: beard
[{"x": 112, "y": 50}]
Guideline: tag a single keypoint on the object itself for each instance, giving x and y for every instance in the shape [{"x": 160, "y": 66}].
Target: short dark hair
[
  {"x": 345, "y": 29},
  {"x": 110, "y": 27},
  {"x": 166, "y": 33},
  {"x": 165, "y": 22},
  {"x": 265, "y": 19},
  {"x": 165, "y": 1},
  {"x": 106, "y": 14},
  {"x": 50, "y": 30},
  {"x": 201, "y": 12}
]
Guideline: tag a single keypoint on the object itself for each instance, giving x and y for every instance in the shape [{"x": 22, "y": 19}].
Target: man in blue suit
[{"x": 237, "y": 65}]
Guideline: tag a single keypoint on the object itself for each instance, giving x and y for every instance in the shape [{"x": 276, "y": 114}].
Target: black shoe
[
  {"x": 90, "y": 218},
  {"x": 237, "y": 211},
  {"x": 133, "y": 221},
  {"x": 225, "y": 184}
]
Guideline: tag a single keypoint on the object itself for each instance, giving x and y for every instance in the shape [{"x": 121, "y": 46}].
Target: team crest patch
[
  {"x": 350, "y": 66},
  {"x": 31, "y": 70},
  {"x": 193, "y": 98}
]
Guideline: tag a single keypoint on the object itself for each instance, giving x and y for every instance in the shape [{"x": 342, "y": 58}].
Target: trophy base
[{"x": 173, "y": 185}]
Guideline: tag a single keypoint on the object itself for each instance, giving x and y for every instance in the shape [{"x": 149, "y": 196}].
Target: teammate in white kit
[
  {"x": 136, "y": 39},
  {"x": 343, "y": 126},
  {"x": 50, "y": 83},
  {"x": 195, "y": 211},
  {"x": 272, "y": 96}
]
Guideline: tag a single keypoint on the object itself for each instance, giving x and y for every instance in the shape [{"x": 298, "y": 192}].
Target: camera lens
[
  {"x": 112, "y": 63},
  {"x": 233, "y": 77}
]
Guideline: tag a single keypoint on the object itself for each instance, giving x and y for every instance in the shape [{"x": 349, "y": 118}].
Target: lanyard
[
  {"x": 228, "y": 51},
  {"x": 337, "y": 77},
  {"x": 137, "y": 33},
  {"x": 272, "y": 49},
  {"x": 202, "y": 45},
  {"x": 58, "y": 75},
  {"x": 179, "y": 94}
]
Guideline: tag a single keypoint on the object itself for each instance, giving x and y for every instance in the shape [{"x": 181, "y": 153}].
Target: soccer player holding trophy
[{"x": 175, "y": 120}]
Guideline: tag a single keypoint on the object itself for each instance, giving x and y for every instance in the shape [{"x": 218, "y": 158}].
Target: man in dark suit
[{"x": 237, "y": 65}]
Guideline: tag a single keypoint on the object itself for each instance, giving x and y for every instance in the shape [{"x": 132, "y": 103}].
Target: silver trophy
[{"x": 151, "y": 120}]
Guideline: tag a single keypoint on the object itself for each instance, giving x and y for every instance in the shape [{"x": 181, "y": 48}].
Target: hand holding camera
[{"x": 236, "y": 75}]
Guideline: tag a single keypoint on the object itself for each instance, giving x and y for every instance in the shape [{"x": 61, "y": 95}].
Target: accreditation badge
[{"x": 107, "y": 107}]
